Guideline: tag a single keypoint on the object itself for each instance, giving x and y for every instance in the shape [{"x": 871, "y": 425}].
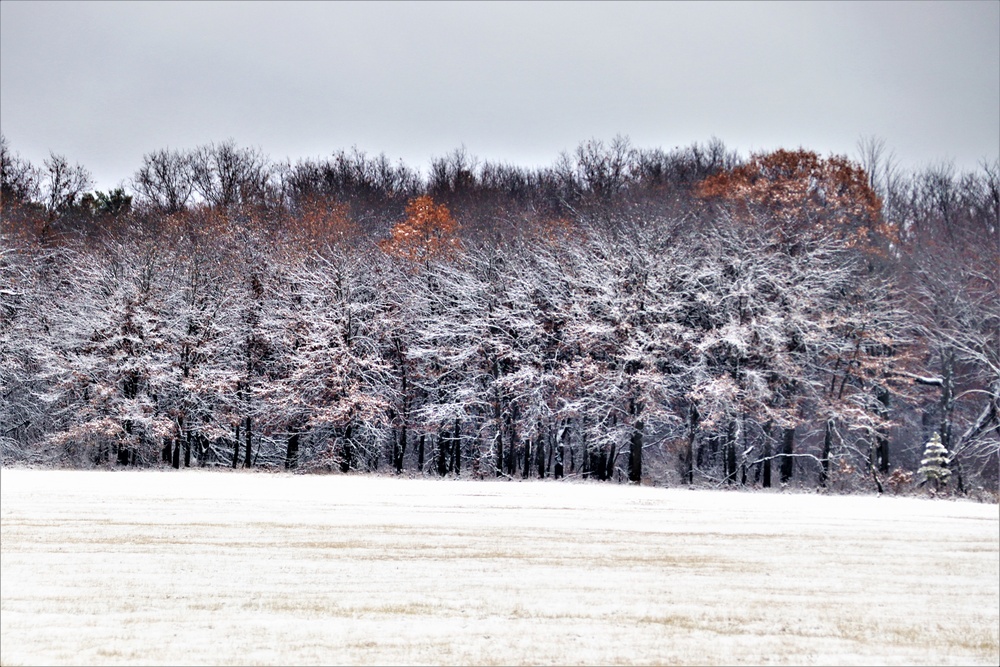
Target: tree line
[{"x": 683, "y": 317}]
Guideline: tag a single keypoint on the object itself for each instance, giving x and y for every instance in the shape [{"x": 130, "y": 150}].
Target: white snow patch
[{"x": 199, "y": 567}]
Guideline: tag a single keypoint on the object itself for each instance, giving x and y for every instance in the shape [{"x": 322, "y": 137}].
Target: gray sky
[{"x": 104, "y": 83}]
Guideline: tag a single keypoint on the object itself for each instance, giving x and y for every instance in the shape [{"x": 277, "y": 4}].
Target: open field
[{"x": 195, "y": 567}]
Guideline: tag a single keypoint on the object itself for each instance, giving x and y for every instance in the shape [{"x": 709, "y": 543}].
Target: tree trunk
[
  {"x": 635, "y": 453},
  {"x": 498, "y": 439},
  {"x": 562, "y": 437},
  {"x": 444, "y": 440},
  {"x": 742, "y": 433},
  {"x": 180, "y": 440},
  {"x": 947, "y": 396},
  {"x": 202, "y": 443},
  {"x": 540, "y": 452},
  {"x": 882, "y": 437},
  {"x": 526, "y": 461},
  {"x": 787, "y": 449},
  {"x": 824, "y": 474},
  {"x": 872, "y": 470},
  {"x": 236, "y": 445},
  {"x": 512, "y": 446},
  {"x": 248, "y": 452},
  {"x": 292, "y": 449},
  {"x": 693, "y": 419},
  {"x": 399, "y": 450},
  {"x": 551, "y": 449},
  {"x": 956, "y": 469},
  {"x": 420, "y": 453},
  {"x": 635, "y": 444},
  {"x": 730, "y": 454},
  {"x": 347, "y": 460},
  {"x": 512, "y": 451},
  {"x": 609, "y": 471},
  {"x": 187, "y": 449},
  {"x": 456, "y": 448},
  {"x": 766, "y": 482}
]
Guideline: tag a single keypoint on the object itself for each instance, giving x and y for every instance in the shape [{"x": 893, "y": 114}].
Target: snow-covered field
[{"x": 199, "y": 567}]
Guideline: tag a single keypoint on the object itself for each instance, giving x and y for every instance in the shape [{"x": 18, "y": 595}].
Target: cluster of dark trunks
[{"x": 551, "y": 452}]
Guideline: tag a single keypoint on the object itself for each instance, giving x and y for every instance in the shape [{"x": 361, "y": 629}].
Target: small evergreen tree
[{"x": 934, "y": 466}]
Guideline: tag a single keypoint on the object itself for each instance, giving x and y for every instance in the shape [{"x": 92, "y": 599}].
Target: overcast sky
[{"x": 104, "y": 83}]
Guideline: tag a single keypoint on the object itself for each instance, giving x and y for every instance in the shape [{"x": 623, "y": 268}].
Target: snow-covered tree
[{"x": 934, "y": 465}]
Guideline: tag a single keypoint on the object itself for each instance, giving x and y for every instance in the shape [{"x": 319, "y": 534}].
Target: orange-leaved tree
[
  {"x": 804, "y": 195},
  {"x": 318, "y": 219},
  {"x": 428, "y": 231}
]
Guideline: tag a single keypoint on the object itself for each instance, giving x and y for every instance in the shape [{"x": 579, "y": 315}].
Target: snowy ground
[{"x": 197, "y": 567}]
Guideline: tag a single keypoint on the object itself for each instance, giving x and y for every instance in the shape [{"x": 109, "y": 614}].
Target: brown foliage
[
  {"x": 805, "y": 195},
  {"x": 323, "y": 220},
  {"x": 427, "y": 232},
  {"x": 26, "y": 222}
]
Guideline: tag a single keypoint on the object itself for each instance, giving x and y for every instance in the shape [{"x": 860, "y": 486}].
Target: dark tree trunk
[
  {"x": 420, "y": 453},
  {"x": 551, "y": 449},
  {"x": 743, "y": 448},
  {"x": 562, "y": 437},
  {"x": 526, "y": 458},
  {"x": 202, "y": 443},
  {"x": 512, "y": 452},
  {"x": 693, "y": 419},
  {"x": 787, "y": 449},
  {"x": 248, "y": 435},
  {"x": 956, "y": 468},
  {"x": 767, "y": 456},
  {"x": 399, "y": 450},
  {"x": 540, "y": 452},
  {"x": 347, "y": 460},
  {"x": 730, "y": 456},
  {"x": 882, "y": 437},
  {"x": 177, "y": 443},
  {"x": 635, "y": 453},
  {"x": 609, "y": 471},
  {"x": 444, "y": 440},
  {"x": 635, "y": 443},
  {"x": 947, "y": 397},
  {"x": 824, "y": 473},
  {"x": 498, "y": 464},
  {"x": 187, "y": 449},
  {"x": 477, "y": 454},
  {"x": 874, "y": 473},
  {"x": 292, "y": 449},
  {"x": 236, "y": 446},
  {"x": 166, "y": 451},
  {"x": 456, "y": 449}
]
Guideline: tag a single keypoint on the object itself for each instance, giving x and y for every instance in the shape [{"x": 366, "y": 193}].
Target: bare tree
[
  {"x": 226, "y": 175},
  {"x": 20, "y": 182},
  {"x": 63, "y": 184},
  {"x": 165, "y": 181}
]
